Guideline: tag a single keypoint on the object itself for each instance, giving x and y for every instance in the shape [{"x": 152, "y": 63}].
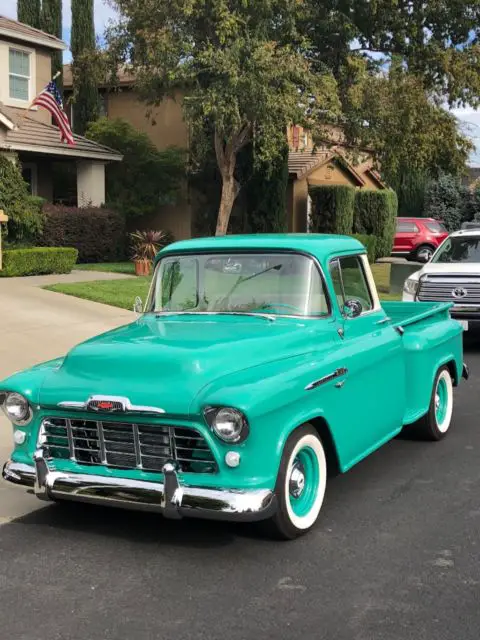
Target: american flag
[{"x": 51, "y": 100}]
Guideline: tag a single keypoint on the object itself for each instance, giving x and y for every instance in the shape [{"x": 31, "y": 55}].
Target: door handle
[
  {"x": 342, "y": 371},
  {"x": 384, "y": 321}
]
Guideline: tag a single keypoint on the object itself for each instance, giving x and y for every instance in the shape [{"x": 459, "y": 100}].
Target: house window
[{"x": 19, "y": 74}]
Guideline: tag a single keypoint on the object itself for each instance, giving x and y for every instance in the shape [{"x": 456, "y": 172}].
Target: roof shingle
[
  {"x": 33, "y": 136},
  {"x": 25, "y": 32}
]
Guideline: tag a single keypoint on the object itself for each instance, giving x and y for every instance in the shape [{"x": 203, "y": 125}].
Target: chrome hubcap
[
  {"x": 437, "y": 401},
  {"x": 297, "y": 480}
]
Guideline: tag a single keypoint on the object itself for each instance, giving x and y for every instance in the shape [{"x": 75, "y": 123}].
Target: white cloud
[{"x": 103, "y": 13}]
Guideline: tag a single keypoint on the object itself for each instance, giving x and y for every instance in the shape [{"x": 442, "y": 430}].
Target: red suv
[{"x": 418, "y": 238}]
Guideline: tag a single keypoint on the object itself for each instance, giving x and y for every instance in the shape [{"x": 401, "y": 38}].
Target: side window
[
  {"x": 407, "y": 227},
  {"x": 350, "y": 283}
]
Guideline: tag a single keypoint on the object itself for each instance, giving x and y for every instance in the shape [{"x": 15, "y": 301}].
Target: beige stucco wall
[
  {"x": 165, "y": 127},
  {"x": 298, "y": 222},
  {"x": 370, "y": 183},
  {"x": 330, "y": 173},
  {"x": 40, "y": 72},
  {"x": 177, "y": 219}
]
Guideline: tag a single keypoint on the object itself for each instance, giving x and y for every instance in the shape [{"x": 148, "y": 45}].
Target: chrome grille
[
  {"x": 126, "y": 446},
  {"x": 440, "y": 289}
]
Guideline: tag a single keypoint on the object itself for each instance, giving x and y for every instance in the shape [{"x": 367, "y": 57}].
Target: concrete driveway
[{"x": 38, "y": 325}]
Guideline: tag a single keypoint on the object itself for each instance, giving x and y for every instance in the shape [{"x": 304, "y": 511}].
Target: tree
[
  {"x": 24, "y": 211},
  {"x": 86, "y": 99},
  {"x": 147, "y": 178},
  {"x": 443, "y": 201},
  {"x": 236, "y": 62},
  {"x": 51, "y": 22},
  {"x": 437, "y": 41},
  {"x": 28, "y": 12},
  {"x": 392, "y": 114}
]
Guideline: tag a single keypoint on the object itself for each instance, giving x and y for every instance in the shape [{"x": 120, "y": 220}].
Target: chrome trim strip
[
  {"x": 128, "y": 406},
  {"x": 170, "y": 498},
  {"x": 331, "y": 376}
]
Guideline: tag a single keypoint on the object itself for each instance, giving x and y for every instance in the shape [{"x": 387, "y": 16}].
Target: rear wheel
[
  {"x": 423, "y": 253},
  {"x": 435, "y": 424},
  {"x": 301, "y": 485}
]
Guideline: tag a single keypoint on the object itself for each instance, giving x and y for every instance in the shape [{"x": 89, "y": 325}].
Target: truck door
[{"x": 373, "y": 393}]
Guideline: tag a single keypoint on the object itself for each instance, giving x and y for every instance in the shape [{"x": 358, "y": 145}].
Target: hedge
[
  {"x": 98, "y": 234},
  {"x": 38, "y": 261},
  {"x": 332, "y": 209},
  {"x": 370, "y": 244},
  {"x": 375, "y": 215}
]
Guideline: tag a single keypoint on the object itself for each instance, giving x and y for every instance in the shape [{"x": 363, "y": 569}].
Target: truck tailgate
[{"x": 403, "y": 314}]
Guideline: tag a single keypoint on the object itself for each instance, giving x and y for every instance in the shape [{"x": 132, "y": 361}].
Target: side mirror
[
  {"x": 138, "y": 305},
  {"x": 352, "y": 309}
]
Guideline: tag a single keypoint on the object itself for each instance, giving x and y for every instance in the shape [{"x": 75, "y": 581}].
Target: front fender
[{"x": 29, "y": 381}]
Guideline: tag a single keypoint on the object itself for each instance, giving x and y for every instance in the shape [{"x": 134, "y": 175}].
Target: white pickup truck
[{"x": 452, "y": 275}]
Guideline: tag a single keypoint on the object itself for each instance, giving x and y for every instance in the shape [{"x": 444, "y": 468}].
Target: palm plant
[{"x": 145, "y": 246}]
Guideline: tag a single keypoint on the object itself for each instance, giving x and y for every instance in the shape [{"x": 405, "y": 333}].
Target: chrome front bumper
[{"x": 170, "y": 498}]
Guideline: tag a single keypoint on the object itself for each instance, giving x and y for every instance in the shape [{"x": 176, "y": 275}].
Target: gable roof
[
  {"x": 24, "y": 32},
  {"x": 302, "y": 163},
  {"x": 124, "y": 78},
  {"x": 30, "y": 135}
]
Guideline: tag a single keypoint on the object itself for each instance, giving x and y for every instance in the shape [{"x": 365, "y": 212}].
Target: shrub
[
  {"x": 146, "y": 244},
  {"x": 375, "y": 215},
  {"x": 266, "y": 197},
  {"x": 38, "y": 261},
  {"x": 99, "y": 234},
  {"x": 370, "y": 244},
  {"x": 147, "y": 178},
  {"x": 332, "y": 209},
  {"x": 24, "y": 211},
  {"x": 443, "y": 201}
]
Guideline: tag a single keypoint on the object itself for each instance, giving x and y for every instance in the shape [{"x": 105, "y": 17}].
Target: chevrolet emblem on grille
[
  {"x": 110, "y": 406},
  {"x": 459, "y": 292}
]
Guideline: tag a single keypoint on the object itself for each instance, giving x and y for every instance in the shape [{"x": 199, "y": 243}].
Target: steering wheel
[{"x": 276, "y": 306}]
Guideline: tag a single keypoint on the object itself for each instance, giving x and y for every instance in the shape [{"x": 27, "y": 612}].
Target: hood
[
  {"x": 165, "y": 362},
  {"x": 448, "y": 269}
]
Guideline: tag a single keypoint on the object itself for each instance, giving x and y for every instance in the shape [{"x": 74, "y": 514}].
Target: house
[
  {"x": 25, "y": 70},
  {"x": 308, "y": 165},
  {"x": 329, "y": 162}
]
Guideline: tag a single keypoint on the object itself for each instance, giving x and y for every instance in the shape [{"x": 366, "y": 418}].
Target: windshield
[
  {"x": 459, "y": 249},
  {"x": 274, "y": 284}
]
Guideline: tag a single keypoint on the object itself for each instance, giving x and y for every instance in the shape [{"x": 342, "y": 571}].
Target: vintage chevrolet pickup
[{"x": 257, "y": 363}]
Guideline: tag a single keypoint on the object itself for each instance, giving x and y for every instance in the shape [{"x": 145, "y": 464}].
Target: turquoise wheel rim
[
  {"x": 303, "y": 498},
  {"x": 441, "y": 401}
]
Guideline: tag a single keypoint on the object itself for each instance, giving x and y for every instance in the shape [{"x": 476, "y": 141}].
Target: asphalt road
[{"x": 395, "y": 556}]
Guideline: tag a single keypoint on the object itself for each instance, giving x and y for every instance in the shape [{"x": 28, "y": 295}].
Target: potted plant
[{"x": 145, "y": 246}]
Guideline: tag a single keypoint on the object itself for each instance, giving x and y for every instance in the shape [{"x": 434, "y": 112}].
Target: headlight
[
  {"x": 230, "y": 425},
  {"x": 411, "y": 286},
  {"x": 17, "y": 409}
]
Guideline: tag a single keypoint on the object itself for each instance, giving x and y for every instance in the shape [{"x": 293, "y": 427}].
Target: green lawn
[
  {"x": 122, "y": 293},
  {"x": 109, "y": 267},
  {"x": 118, "y": 293}
]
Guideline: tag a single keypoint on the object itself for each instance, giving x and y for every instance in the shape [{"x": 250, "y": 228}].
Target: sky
[{"x": 468, "y": 118}]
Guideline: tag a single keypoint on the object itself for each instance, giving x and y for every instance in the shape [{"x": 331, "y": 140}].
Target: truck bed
[{"x": 404, "y": 314}]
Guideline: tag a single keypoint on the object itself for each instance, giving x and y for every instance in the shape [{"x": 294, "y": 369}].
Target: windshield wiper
[{"x": 241, "y": 280}]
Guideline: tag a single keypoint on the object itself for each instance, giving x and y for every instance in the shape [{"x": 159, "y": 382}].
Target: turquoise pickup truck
[{"x": 257, "y": 364}]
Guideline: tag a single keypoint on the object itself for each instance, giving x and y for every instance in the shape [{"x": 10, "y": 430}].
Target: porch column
[{"x": 90, "y": 183}]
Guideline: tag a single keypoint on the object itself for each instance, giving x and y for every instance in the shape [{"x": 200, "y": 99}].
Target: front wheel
[
  {"x": 301, "y": 484},
  {"x": 435, "y": 424}
]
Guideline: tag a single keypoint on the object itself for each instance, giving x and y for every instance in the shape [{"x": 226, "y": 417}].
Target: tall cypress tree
[
  {"x": 85, "y": 106},
  {"x": 51, "y": 22},
  {"x": 28, "y": 11}
]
